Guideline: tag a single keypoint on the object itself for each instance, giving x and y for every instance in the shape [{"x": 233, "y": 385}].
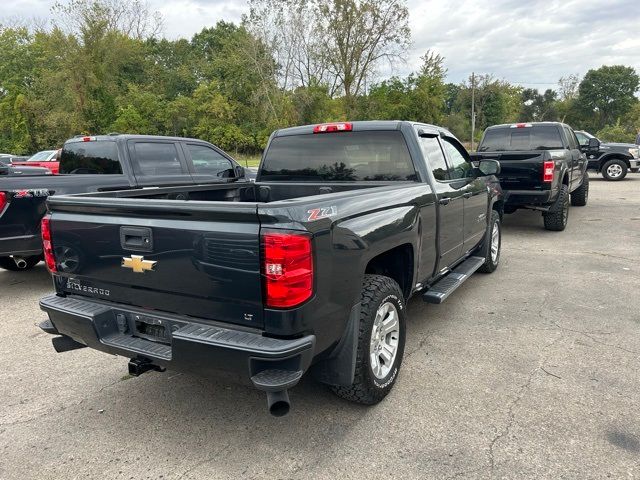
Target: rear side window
[
  {"x": 90, "y": 158},
  {"x": 156, "y": 158},
  {"x": 348, "y": 156},
  {"x": 537, "y": 137}
]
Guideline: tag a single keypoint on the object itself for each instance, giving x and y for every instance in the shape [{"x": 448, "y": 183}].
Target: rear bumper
[
  {"x": 186, "y": 345},
  {"x": 25, "y": 245},
  {"x": 528, "y": 197}
]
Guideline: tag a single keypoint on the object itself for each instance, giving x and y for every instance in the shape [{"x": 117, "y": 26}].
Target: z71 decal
[
  {"x": 30, "y": 193},
  {"x": 320, "y": 213}
]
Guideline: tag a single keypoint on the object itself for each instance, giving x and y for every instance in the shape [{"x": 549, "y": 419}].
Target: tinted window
[
  {"x": 458, "y": 165},
  {"x": 90, "y": 157},
  {"x": 207, "y": 161},
  {"x": 537, "y": 137},
  {"x": 155, "y": 159},
  {"x": 435, "y": 158},
  {"x": 349, "y": 156}
]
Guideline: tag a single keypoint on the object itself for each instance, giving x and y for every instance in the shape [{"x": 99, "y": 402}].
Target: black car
[
  {"x": 612, "y": 160},
  {"x": 309, "y": 268}
]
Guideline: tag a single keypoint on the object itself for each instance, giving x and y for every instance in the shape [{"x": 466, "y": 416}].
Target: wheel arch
[
  {"x": 613, "y": 156},
  {"x": 396, "y": 263}
]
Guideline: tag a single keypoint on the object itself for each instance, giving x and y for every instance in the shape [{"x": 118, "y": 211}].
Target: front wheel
[
  {"x": 490, "y": 249},
  {"x": 381, "y": 338},
  {"x": 614, "y": 170}
]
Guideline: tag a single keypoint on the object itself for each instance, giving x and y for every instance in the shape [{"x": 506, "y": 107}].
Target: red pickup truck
[{"x": 47, "y": 158}]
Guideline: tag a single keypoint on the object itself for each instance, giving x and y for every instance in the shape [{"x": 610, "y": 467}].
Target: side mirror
[
  {"x": 4, "y": 170},
  {"x": 489, "y": 167},
  {"x": 239, "y": 171},
  {"x": 593, "y": 144}
]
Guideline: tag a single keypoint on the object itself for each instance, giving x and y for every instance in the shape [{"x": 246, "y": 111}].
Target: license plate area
[{"x": 150, "y": 328}]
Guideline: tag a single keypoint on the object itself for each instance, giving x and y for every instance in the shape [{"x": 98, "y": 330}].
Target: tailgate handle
[{"x": 136, "y": 238}]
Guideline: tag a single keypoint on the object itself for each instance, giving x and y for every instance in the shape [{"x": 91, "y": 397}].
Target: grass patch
[{"x": 247, "y": 160}]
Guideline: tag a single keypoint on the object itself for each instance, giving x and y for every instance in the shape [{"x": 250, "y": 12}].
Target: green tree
[{"x": 606, "y": 94}]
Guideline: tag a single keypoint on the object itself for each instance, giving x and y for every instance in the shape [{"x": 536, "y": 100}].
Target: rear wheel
[
  {"x": 381, "y": 337},
  {"x": 614, "y": 170},
  {"x": 23, "y": 263},
  {"x": 556, "y": 218},
  {"x": 580, "y": 195}
]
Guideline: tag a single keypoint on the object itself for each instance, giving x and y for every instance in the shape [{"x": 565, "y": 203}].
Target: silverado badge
[{"x": 138, "y": 264}]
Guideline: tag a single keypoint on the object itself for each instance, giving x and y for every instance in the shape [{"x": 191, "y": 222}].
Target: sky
[{"x": 528, "y": 42}]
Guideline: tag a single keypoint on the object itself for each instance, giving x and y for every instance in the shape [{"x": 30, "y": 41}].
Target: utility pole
[{"x": 473, "y": 108}]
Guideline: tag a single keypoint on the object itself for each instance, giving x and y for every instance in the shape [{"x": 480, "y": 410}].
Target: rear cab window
[
  {"x": 347, "y": 156},
  {"x": 94, "y": 157},
  {"x": 512, "y": 138}
]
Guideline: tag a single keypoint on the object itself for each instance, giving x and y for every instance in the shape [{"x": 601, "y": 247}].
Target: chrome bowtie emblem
[{"x": 138, "y": 264}]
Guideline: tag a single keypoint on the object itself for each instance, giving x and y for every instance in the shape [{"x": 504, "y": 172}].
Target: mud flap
[{"x": 339, "y": 369}]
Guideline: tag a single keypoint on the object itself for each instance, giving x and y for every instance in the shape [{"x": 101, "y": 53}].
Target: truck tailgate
[
  {"x": 519, "y": 170},
  {"x": 201, "y": 261}
]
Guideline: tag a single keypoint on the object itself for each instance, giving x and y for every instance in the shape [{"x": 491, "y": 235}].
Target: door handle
[
  {"x": 136, "y": 238},
  {"x": 467, "y": 194},
  {"x": 444, "y": 201}
]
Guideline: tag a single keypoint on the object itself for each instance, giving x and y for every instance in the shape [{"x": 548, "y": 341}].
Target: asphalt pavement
[{"x": 530, "y": 372}]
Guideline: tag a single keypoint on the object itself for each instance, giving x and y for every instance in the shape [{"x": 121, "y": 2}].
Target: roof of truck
[
  {"x": 127, "y": 136},
  {"x": 528, "y": 124},
  {"x": 363, "y": 125}
]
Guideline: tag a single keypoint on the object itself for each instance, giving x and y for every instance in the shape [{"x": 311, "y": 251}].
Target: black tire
[
  {"x": 580, "y": 195},
  {"x": 556, "y": 218},
  {"x": 367, "y": 388},
  {"x": 491, "y": 261},
  {"x": 611, "y": 168},
  {"x": 8, "y": 264}
]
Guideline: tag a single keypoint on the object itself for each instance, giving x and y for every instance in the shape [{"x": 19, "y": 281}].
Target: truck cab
[{"x": 612, "y": 160}]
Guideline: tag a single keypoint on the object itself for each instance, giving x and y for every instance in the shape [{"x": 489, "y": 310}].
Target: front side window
[
  {"x": 345, "y": 156},
  {"x": 207, "y": 161},
  {"x": 435, "y": 158},
  {"x": 582, "y": 138},
  {"x": 156, "y": 159},
  {"x": 459, "y": 167}
]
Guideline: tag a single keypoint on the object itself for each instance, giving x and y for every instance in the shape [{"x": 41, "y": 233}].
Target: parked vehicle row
[
  {"x": 168, "y": 254},
  {"x": 99, "y": 163},
  {"x": 49, "y": 159}
]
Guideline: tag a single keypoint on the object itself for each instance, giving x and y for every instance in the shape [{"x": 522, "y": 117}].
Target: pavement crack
[
  {"x": 521, "y": 392},
  {"x": 589, "y": 335}
]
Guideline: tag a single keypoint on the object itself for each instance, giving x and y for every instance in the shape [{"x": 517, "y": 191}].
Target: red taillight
[
  {"x": 547, "y": 171},
  {"x": 287, "y": 267},
  {"x": 333, "y": 127},
  {"x": 47, "y": 246},
  {"x": 88, "y": 139},
  {"x": 3, "y": 201},
  {"x": 521, "y": 125}
]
